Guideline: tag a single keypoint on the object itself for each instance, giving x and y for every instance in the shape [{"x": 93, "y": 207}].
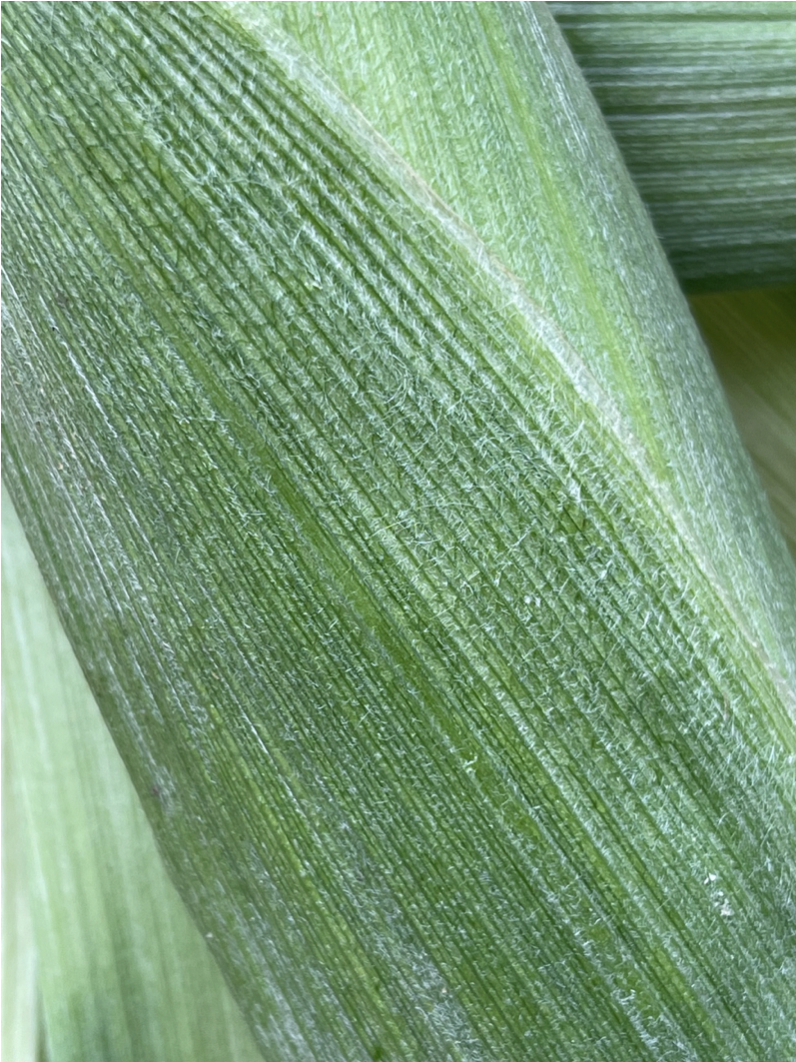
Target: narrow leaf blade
[{"x": 101, "y": 937}]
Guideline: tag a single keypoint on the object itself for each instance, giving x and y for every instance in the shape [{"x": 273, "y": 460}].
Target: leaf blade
[
  {"x": 557, "y": 209},
  {"x": 460, "y": 627},
  {"x": 700, "y": 99},
  {"x": 120, "y": 970}
]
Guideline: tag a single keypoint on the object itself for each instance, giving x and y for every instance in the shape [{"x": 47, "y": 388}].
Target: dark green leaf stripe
[{"x": 448, "y": 734}]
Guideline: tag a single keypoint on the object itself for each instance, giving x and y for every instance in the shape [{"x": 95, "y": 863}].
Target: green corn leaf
[
  {"x": 467, "y": 76},
  {"x": 752, "y": 340},
  {"x": 416, "y": 567},
  {"x": 99, "y": 935},
  {"x": 701, "y": 98}
]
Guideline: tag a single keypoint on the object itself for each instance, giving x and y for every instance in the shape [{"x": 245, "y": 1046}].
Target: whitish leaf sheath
[{"x": 463, "y": 750}]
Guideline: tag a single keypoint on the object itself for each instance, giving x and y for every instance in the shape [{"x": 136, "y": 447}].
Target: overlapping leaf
[
  {"x": 702, "y": 101},
  {"x": 100, "y": 948}
]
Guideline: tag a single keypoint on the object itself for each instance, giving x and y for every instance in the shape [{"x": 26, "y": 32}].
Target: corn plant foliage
[
  {"x": 537, "y": 179},
  {"x": 415, "y": 566},
  {"x": 96, "y": 943},
  {"x": 701, "y": 98}
]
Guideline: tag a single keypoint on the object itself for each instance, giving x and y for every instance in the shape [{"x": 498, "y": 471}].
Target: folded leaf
[
  {"x": 702, "y": 101},
  {"x": 100, "y": 933},
  {"x": 456, "y": 687}
]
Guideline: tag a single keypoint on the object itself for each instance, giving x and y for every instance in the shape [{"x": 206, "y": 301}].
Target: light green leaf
[
  {"x": 19, "y": 1036},
  {"x": 701, "y": 98},
  {"x": 98, "y": 929},
  {"x": 752, "y": 340},
  {"x": 415, "y": 564}
]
